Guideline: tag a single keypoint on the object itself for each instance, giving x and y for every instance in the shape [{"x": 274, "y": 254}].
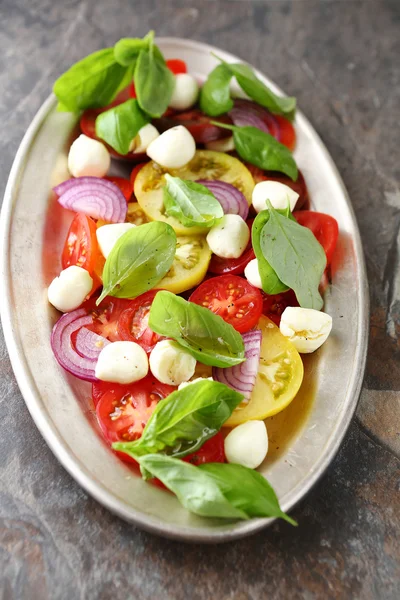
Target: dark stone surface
[{"x": 341, "y": 59}]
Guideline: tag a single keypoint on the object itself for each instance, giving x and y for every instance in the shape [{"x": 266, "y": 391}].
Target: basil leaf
[
  {"x": 296, "y": 256},
  {"x": 90, "y": 83},
  {"x": 271, "y": 284},
  {"x": 191, "y": 203},
  {"x": 139, "y": 260},
  {"x": 262, "y": 149},
  {"x": 215, "y": 97},
  {"x": 216, "y": 489},
  {"x": 126, "y": 50},
  {"x": 205, "y": 335},
  {"x": 121, "y": 124},
  {"x": 259, "y": 92},
  {"x": 154, "y": 82},
  {"x": 184, "y": 420}
]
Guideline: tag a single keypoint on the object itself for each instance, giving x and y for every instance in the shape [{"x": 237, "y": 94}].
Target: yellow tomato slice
[
  {"x": 135, "y": 214},
  {"x": 206, "y": 164},
  {"x": 190, "y": 265},
  {"x": 279, "y": 377}
]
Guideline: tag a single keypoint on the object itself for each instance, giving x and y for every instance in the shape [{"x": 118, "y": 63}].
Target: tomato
[
  {"x": 210, "y": 452},
  {"x": 232, "y": 298},
  {"x": 200, "y": 125},
  {"x": 135, "y": 171},
  {"x": 273, "y": 306},
  {"x": 287, "y": 134},
  {"x": 233, "y": 266},
  {"x": 123, "y": 410},
  {"x": 124, "y": 185},
  {"x": 135, "y": 214},
  {"x": 106, "y": 315},
  {"x": 324, "y": 227},
  {"x": 280, "y": 374},
  {"x": 190, "y": 265},
  {"x": 206, "y": 164},
  {"x": 176, "y": 65},
  {"x": 81, "y": 248},
  {"x": 133, "y": 322},
  {"x": 298, "y": 186},
  {"x": 132, "y": 90}
]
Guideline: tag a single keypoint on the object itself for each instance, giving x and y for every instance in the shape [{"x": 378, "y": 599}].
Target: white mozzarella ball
[
  {"x": 229, "y": 238},
  {"x": 173, "y": 149},
  {"x": 147, "y": 134},
  {"x": 171, "y": 364},
  {"x": 247, "y": 444},
  {"x": 186, "y": 92},
  {"x": 122, "y": 362},
  {"x": 107, "y": 235},
  {"x": 225, "y": 145},
  {"x": 274, "y": 191},
  {"x": 186, "y": 383},
  {"x": 88, "y": 157},
  {"x": 67, "y": 291},
  {"x": 306, "y": 328},
  {"x": 252, "y": 273}
]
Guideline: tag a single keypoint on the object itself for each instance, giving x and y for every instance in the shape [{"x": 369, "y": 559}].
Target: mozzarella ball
[
  {"x": 252, "y": 273},
  {"x": 186, "y": 92},
  {"x": 67, "y": 291},
  {"x": 306, "y": 328},
  {"x": 225, "y": 145},
  {"x": 229, "y": 238},
  {"x": 186, "y": 383},
  {"x": 171, "y": 364},
  {"x": 173, "y": 149},
  {"x": 147, "y": 134},
  {"x": 122, "y": 362},
  {"x": 88, "y": 157},
  {"x": 247, "y": 444},
  {"x": 274, "y": 191},
  {"x": 107, "y": 235}
]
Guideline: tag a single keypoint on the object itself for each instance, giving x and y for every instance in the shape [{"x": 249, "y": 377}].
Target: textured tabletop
[{"x": 341, "y": 59}]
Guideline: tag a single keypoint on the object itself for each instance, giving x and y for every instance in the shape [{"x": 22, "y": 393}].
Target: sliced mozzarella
[
  {"x": 186, "y": 92},
  {"x": 186, "y": 383},
  {"x": 171, "y": 364},
  {"x": 122, "y": 362},
  {"x": 173, "y": 149},
  {"x": 147, "y": 134},
  {"x": 277, "y": 193},
  {"x": 224, "y": 145},
  {"x": 247, "y": 444},
  {"x": 67, "y": 291},
  {"x": 306, "y": 328},
  {"x": 229, "y": 238},
  {"x": 252, "y": 273},
  {"x": 107, "y": 235},
  {"x": 88, "y": 157}
]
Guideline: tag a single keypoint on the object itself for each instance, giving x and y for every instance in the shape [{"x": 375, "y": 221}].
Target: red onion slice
[
  {"x": 65, "y": 353},
  {"x": 93, "y": 196},
  {"x": 89, "y": 344},
  {"x": 246, "y": 113},
  {"x": 243, "y": 377},
  {"x": 230, "y": 198}
]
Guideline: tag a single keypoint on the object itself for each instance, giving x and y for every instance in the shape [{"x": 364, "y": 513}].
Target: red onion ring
[
  {"x": 230, "y": 198},
  {"x": 243, "y": 377},
  {"x": 89, "y": 344},
  {"x": 93, "y": 196},
  {"x": 247, "y": 113}
]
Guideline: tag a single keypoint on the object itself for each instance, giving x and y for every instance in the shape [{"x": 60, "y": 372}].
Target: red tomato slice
[
  {"x": 324, "y": 227},
  {"x": 133, "y": 322},
  {"x": 106, "y": 315},
  {"x": 200, "y": 125},
  {"x": 273, "y": 306},
  {"x": 123, "y": 410},
  {"x": 286, "y": 134},
  {"x": 211, "y": 451},
  {"x": 132, "y": 90},
  {"x": 176, "y": 65},
  {"x": 135, "y": 171},
  {"x": 232, "y": 298},
  {"x": 124, "y": 185},
  {"x": 233, "y": 266}
]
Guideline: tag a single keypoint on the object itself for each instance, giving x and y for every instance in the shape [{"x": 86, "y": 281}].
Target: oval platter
[{"x": 33, "y": 229}]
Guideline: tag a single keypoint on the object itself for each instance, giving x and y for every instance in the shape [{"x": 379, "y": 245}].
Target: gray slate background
[{"x": 342, "y": 60}]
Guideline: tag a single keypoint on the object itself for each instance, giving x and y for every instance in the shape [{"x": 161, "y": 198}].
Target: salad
[{"x": 189, "y": 290}]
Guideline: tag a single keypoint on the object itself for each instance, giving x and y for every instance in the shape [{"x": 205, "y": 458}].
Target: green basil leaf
[
  {"x": 191, "y": 203},
  {"x": 271, "y": 284},
  {"x": 296, "y": 256},
  {"x": 218, "y": 490},
  {"x": 126, "y": 50},
  {"x": 259, "y": 92},
  {"x": 215, "y": 98},
  {"x": 139, "y": 260},
  {"x": 262, "y": 149},
  {"x": 154, "y": 82},
  {"x": 205, "y": 335},
  {"x": 184, "y": 420},
  {"x": 121, "y": 124},
  {"x": 90, "y": 83}
]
